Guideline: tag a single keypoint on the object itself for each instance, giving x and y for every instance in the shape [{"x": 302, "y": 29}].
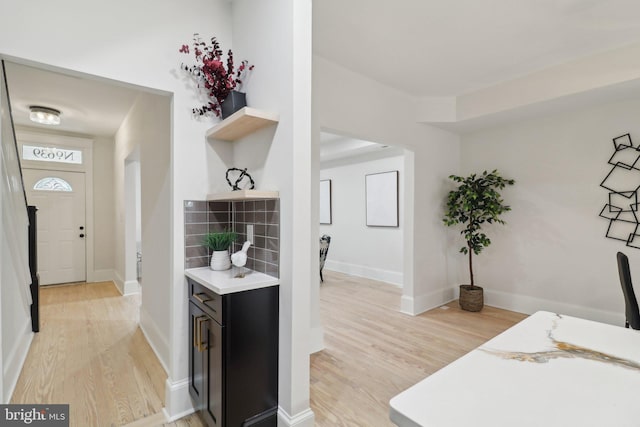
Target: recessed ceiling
[
  {"x": 449, "y": 48},
  {"x": 337, "y": 147},
  {"x": 88, "y": 106}
]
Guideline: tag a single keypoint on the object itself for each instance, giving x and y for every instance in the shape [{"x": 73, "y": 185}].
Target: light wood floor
[
  {"x": 373, "y": 352},
  {"x": 91, "y": 354}
]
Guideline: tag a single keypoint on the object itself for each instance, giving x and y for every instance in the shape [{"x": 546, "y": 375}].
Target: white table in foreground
[{"x": 548, "y": 370}]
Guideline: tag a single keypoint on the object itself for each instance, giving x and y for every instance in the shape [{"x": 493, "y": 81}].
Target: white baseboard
[
  {"x": 119, "y": 282},
  {"x": 305, "y": 418},
  {"x": 156, "y": 340},
  {"x": 387, "y": 276},
  {"x": 508, "y": 301},
  {"x": 406, "y": 305},
  {"x": 103, "y": 275},
  {"x": 131, "y": 287},
  {"x": 316, "y": 340},
  {"x": 177, "y": 401},
  {"x": 421, "y": 303},
  {"x": 14, "y": 361},
  {"x": 529, "y": 305}
]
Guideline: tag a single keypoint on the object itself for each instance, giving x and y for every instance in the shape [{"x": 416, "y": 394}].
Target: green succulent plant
[
  {"x": 476, "y": 201},
  {"x": 220, "y": 241}
]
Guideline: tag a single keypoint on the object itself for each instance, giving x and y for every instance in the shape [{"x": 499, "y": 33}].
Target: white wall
[
  {"x": 552, "y": 254},
  {"x": 372, "y": 252},
  {"x": 146, "y": 129},
  {"x": 103, "y": 208},
  {"x": 350, "y": 104},
  {"x": 276, "y": 37}
]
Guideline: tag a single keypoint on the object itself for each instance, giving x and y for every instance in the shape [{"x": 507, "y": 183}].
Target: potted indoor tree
[
  {"x": 218, "y": 243},
  {"x": 475, "y": 202}
]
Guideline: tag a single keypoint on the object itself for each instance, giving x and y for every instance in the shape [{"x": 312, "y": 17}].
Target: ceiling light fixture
[{"x": 44, "y": 115}]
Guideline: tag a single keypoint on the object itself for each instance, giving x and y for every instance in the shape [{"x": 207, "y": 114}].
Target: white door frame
[{"x": 84, "y": 144}]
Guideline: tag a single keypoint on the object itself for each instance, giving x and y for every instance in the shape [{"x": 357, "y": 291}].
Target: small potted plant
[
  {"x": 475, "y": 202},
  {"x": 221, "y": 85},
  {"x": 218, "y": 243}
]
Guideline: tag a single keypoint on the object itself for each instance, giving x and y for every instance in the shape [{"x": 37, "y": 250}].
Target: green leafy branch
[{"x": 475, "y": 202}]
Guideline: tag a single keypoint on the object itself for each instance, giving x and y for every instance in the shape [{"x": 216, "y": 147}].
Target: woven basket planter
[{"x": 471, "y": 298}]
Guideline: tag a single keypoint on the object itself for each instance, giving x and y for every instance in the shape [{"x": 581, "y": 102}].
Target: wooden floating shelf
[
  {"x": 242, "y": 123},
  {"x": 243, "y": 195}
]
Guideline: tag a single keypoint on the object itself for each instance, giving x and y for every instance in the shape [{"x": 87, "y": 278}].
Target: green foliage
[
  {"x": 475, "y": 202},
  {"x": 220, "y": 241}
]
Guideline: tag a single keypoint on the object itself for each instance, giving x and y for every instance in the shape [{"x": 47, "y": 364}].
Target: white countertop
[
  {"x": 225, "y": 282},
  {"x": 549, "y": 369}
]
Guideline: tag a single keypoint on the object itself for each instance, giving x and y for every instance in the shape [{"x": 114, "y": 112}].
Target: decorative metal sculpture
[
  {"x": 243, "y": 174},
  {"x": 623, "y": 183}
]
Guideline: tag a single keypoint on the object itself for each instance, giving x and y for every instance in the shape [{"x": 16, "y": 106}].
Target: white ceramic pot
[{"x": 220, "y": 260}]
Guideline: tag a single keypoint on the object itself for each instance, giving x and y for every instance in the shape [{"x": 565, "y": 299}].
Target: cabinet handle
[
  {"x": 195, "y": 332},
  {"x": 201, "y": 345},
  {"x": 199, "y": 298}
]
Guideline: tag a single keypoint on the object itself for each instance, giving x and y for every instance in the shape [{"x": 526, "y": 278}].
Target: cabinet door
[
  {"x": 196, "y": 358},
  {"x": 213, "y": 411}
]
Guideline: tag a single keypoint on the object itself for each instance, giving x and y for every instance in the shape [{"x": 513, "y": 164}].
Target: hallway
[{"x": 91, "y": 354}]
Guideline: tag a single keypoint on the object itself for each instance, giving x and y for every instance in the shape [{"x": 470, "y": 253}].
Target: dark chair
[
  {"x": 632, "y": 312},
  {"x": 324, "y": 249}
]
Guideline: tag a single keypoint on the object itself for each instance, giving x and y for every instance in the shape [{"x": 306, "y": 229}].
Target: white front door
[{"x": 60, "y": 199}]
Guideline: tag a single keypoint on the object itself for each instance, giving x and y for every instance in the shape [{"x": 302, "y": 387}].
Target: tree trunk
[{"x": 470, "y": 263}]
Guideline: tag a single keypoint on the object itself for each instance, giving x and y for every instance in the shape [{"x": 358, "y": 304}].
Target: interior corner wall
[
  {"x": 357, "y": 249},
  {"x": 146, "y": 128},
  {"x": 552, "y": 254},
  {"x": 351, "y": 104},
  {"x": 103, "y": 208}
]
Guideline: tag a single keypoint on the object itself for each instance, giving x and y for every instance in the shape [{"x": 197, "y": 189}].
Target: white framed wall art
[{"x": 382, "y": 199}]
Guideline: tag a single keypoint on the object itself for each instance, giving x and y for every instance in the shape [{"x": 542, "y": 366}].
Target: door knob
[{"x": 82, "y": 235}]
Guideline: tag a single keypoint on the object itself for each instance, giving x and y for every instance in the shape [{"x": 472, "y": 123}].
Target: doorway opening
[
  {"x": 128, "y": 192},
  {"x": 58, "y": 178},
  {"x": 347, "y": 165}
]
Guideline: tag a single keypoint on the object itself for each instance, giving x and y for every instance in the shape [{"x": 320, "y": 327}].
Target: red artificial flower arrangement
[{"x": 210, "y": 73}]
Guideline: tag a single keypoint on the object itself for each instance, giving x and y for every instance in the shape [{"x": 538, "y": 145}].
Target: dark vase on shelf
[{"x": 233, "y": 102}]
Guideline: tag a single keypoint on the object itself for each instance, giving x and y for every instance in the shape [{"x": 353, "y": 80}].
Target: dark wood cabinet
[{"x": 233, "y": 356}]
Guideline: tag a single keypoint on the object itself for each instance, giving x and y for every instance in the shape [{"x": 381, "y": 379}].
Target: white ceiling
[
  {"x": 338, "y": 147},
  {"x": 449, "y": 48},
  {"x": 422, "y": 47},
  {"x": 88, "y": 106}
]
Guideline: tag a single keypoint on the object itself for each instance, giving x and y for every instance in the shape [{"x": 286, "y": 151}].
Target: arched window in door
[{"x": 51, "y": 183}]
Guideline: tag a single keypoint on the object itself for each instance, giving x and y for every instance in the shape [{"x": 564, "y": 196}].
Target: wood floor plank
[
  {"x": 373, "y": 352},
  {"x": 91, "y": 354}
]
